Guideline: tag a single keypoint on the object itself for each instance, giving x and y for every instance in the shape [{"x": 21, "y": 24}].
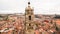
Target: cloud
[{"x": 40, "y": 6}]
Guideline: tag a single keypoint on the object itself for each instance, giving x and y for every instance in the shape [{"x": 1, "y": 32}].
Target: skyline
[{"x": 40, "y": 6}]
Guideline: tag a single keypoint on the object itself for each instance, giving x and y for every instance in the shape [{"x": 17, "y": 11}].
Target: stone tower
[
  {"x": 29, "y": 17},
  {"x": 29, "y": 13}
]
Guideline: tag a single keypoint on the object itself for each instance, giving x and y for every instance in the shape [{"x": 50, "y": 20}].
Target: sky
[{"x": 40, "y": 6}]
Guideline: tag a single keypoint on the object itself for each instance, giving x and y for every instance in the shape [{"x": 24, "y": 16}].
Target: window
[
  {"x": 29, "y": 17},
  {"x": 29, "y": 24}
]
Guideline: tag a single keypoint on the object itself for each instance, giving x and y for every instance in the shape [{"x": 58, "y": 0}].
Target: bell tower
[
  {"x": 29, "y": 13},
  {"x": 29, "y": 17}
]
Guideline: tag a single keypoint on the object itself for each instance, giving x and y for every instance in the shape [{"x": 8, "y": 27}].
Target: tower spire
[
  {"x": 29, "y": 18},
  {"x": 28, "y": 2}
]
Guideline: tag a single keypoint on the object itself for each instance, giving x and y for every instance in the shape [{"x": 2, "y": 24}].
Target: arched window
[{"x": 29, "y": 17}]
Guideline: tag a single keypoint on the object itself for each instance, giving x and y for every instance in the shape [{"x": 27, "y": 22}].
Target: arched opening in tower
[{"x": 29, "y": 17}]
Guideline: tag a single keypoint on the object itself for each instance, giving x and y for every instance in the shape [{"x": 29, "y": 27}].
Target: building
[
  {"x": 29, "y": 18},
  {"x": 57, "y": 21},
  {"x": 29, "y": 23}
]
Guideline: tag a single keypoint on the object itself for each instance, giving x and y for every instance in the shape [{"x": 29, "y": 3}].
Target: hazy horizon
[{"x": 40, "y": 6}]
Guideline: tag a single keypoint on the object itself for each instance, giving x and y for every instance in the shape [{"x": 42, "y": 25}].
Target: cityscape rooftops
[{"x": 57, "y": 17}]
